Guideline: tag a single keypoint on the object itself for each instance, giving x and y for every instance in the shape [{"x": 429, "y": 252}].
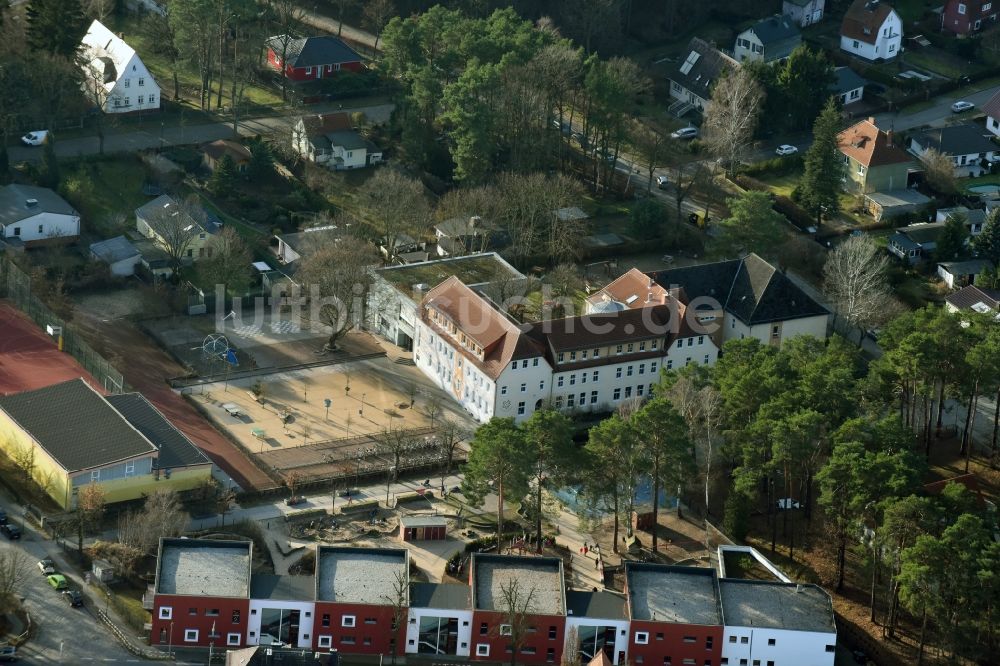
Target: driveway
[{"x": 152, "y": 134}]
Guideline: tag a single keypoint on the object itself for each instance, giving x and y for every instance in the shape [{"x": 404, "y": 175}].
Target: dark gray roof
[
  {"x": 709, "y": 63},
  {"x": 282, "y": 588},
  {"x": 167, "y": 205},
  {"x": 846, "y": 80},
  {"x": 114, "y": 249},
  {"x": 767, "y": 604},
  {"x": 315, "y": 51},
  {"x": 967, "y": 297},
  {"x": 347, "y": 139},
  {"x": 14, "y": 207},
  {"x": 903, "y": 242},
  {"x": 75, "y": 425},
  {"x": 446, "y": 596},
  {"x": 604, "y": 605},
  {"x": 971, "y": 267},
  {"x": 176, "y": 450},
  {"x": 776, "y": 29},
  {"x": 922, "y": 234},
  {"x": 965, "y": 139},
  {"x": 750, "y": 289}
]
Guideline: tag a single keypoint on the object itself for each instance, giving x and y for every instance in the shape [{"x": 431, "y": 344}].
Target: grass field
[{"x": 106, "y": 192}]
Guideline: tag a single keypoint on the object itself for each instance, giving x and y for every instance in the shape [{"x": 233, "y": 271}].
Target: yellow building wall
[
  {"x": 47, "y": 473},
  {"x": 134, "y": 487}
]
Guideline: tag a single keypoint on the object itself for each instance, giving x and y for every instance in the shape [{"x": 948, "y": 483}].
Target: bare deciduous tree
[
  {"x": 229, "y": 264},
  {"x": 732, "y": 114},
  {"x": 337, "y": 275},
  {"x": 15, "y": 567},
  {"x": 399, "y": 600},
  {"x": 939, "y": 171},
  {"x": 376, "y": 15},
  {"x": 286, "y": 18},
  {"x": 24, "y": 460},
  {"x": 571, "y": 653},
  {"x": 700, "y": 404},
  {"x": 516, "y": 603},
  {"x": 175, "y": 228},
  {"x": 89, "y": 507},
  {"x": 450, "y": 436},
  {"x": 856, "y": 281},
  {"x": 394, "y": 204},
  {"x": 651, "y": 147},
  {"x": 394, "y": 443}
]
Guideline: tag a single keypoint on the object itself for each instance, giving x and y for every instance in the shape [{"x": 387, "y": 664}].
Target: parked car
[
  {"x": 685, "y": 133},
  {"x": 36, "y": 138},
  {"x": 58, "y": 581},
  {"x": 662, "y": 182},
  {"x": 47, "y": 567},
  {"x": 8, "y": 653},
  {"x": 73, "y": 597},
  {"x": 11, "y": 531},
  {"x": 785, "y": 149},
  {"x": 295, "y": 499},
  {"x": 961, "y": 106}
]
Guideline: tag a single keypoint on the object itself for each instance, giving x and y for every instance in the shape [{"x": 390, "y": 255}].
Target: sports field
[{"x": 29, "y": 358}]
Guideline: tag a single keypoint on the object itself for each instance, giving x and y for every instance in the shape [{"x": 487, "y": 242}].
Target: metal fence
[{"x": 15, "y": 285}]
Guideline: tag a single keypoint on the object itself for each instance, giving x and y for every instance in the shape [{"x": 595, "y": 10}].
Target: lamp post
[
  {"x": 362, "y": 409},
  {"x": 388, "y": 477},
  {"x": 211, "y": 643},
  {"x": 170, "y": 640},
  {"x": 327, "y": 402}
]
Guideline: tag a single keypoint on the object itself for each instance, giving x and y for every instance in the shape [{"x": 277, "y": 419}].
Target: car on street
[
  {"x": 961, "y": 106},
  {"x": 295, "y": 499},
  {"x": 47, "y": 567},
  {"x": 73, "y": 597},
  {"x": 12, "y": 532},
  {"x": 36, "y": 138},
  {"x": 662, "y": 182},
  {"x": 58, "y": 581},
  {"x": 684, "y": 133},
  {"x": 8, "y": 653},
  {"x": 785, "y": 149}
]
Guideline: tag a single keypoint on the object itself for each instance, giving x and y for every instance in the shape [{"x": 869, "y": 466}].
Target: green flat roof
[{"x": 471, "y": 270}]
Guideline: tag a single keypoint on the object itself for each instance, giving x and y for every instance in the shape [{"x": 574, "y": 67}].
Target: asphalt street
[
  {"x": 153, "y": 134},
  {"x": 937, "y": 114}
]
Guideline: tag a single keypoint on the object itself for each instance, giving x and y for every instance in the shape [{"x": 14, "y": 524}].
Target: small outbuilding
[
  {"x": 118, "y": 253},
  {"x": 215, "y": 151},
  {"x": 423, "y": 528}
]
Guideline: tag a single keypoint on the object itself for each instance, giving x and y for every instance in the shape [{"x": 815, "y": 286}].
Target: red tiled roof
[
  {"x": 870, "y": 146},
  {"x": 633, "y": 283},
  {"x": 864, "y": 19}
]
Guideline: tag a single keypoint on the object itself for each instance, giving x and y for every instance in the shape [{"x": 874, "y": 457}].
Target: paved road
[
  {"x": 334, "y": 27},
  {"x": 65, "y": 635},
  {"x": 152, "y": 134},
  {"x": 936, "y": 115}
]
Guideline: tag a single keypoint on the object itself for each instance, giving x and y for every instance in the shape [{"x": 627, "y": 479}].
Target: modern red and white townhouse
[
  {"x": 312, "y": 58},
  {"x": 360, "y": 602}
]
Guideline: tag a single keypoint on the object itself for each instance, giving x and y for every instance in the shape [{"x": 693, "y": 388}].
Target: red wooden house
[
  {"x": 312, "y": 58},
  {"x": 966, "y": 17}
]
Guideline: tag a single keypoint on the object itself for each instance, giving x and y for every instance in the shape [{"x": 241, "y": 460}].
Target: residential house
[
  {"x": 77, "y": 436},
  {"x": 115, "y": 78},
  {"x": 784, "y": 624},
  {"x": 201, "y": 593},
  {"x": 328, "y": 139},
  {"x": 32, "y": 216},
  {"x": 396, "y": 291},
  {"x": 691, "y": 82},
  {"x": 967, "y": 17},
  {"x": 468, "y": 235},
  {"x": 871, "y": 30},
  {"x": 768, "y": 40},
  {"x": 291, "y": 248},
  {"x": 975, "y": 218},
  {"x": 848, "y": 87},
  {"x": 362, "y": 597},
  {"x": 118, "y": 253},
  {"x": 165, "y": 221},
  {"x": 873, "y": 163},
  {"x": 214, "y": 152},
  {"x": 972, "y": 297},
  {"x": 600, "y": 622},
  {"x": 439, "y": 621},
  {"x": 745, "y": 298},
  {"x": 970, "y": 150},
  {"x": 804, "y": 12},
  {"x": 992, "y": 111},
  {"x": 312, "y": 58},
  {"x": 674, "y": 612},
  {"x": 958, "y": 274},
  {"x": 915, "y": 242},
  {"x": 538, "y": 578}
]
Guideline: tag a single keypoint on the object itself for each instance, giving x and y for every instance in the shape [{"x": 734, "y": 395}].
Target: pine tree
[
  {"x": 261, "y": 160},
  {"x": 56, "y": 26},
  {"x": 951, "y": 243},
  {"x": 819, "y": 190},
  {"x": 50, "y": 176},
  {"x": 988, "y": 242},
  {"x": 4, "y": 165},
  {"x": 224, "y": 177}
]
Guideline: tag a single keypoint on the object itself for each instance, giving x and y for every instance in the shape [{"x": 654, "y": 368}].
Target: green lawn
[
  {"x": 939, "y": 62},
  {"x": 105, "y": 192},
  {"x": 911, "y": 10}
]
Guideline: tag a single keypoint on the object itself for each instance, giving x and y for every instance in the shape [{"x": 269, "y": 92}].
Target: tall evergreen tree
[
  {"x": 50, "y": 176},
  {"x": 804, "y": 73},
  {"x": 988, "y": 242},
  {"x": 951, "y": 243},
  {"x": 819, "y": 190},
  {"x": 223, "y": 179},
  {"x": 56, "y": 26},
  {"x": 4, "y": 165}
]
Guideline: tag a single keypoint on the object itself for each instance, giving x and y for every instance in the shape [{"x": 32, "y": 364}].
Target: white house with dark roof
[
  {"x": 164, "y": 218},
  {"x": 970, "y": 149},
  {"x": 32, "y": 215},
  {"x": 118, "y": 253},
  {"x": 691, "y": 82},
  {"x": 976, "y": 299},
  {"x": 848, "y": 86},
  {"x": 114, "y": 75},
  {"x": 871, "y": 30},
  {"x": 769, "y": 40},
  {"x": 330, "y": 140},
  {"x": 958, "y": 274},
  {"x": 804, "y": 12}
]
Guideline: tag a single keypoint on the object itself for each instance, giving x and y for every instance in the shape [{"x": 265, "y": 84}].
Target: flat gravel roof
[
  {"x": 539, "y": 576},
  {"x": 203, "y": 567},
  {"x": 685, "y": 595},
  {"x": 749, "y": 603},
  {"x": 360, "y": 575}
]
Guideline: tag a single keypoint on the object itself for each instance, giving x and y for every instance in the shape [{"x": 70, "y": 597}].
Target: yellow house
[
  {"x": 68, "y": 435},
  {"x": 184, "y": 228}
]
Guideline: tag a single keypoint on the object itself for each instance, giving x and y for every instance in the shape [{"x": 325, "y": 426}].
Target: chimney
[
  {"x": 663, "y": 298},
  {"x": 798, "y": 588},
  {"x": 649, "y": 296},
  {"x": 30, "y": 203}
]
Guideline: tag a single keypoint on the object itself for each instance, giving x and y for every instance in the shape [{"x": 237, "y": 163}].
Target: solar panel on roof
[{"x": 690, "y": 61}]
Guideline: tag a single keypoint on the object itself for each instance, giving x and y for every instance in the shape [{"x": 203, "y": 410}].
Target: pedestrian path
[{"x": 585, "y": 570}]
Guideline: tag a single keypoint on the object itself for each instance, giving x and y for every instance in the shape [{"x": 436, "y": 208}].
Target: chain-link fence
[{"x": 15, "y": 285}]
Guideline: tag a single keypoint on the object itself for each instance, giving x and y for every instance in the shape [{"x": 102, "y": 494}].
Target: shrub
[
  {"x": 647, "y": 219},
  {"x": 750, "y": 183},
  {"x": 777, "y": 165},
  {"x": 736, "y": 522},
  {"x": 794, "y": 212}
]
